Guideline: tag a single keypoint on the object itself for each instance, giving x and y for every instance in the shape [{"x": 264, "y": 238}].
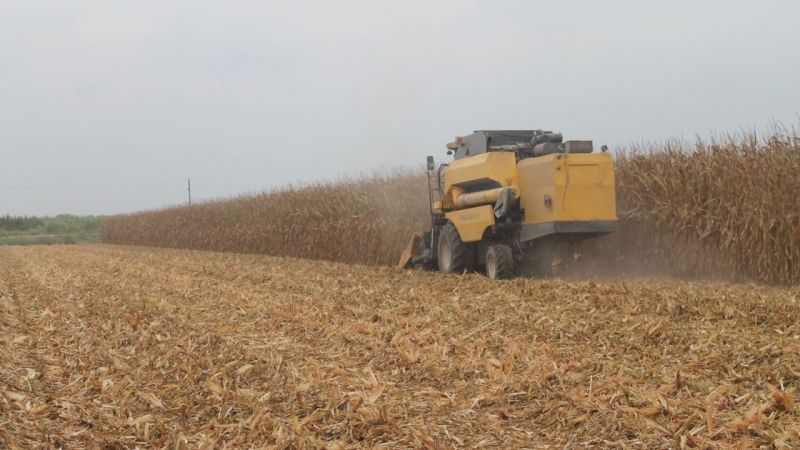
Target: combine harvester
[{"x": 511, "y": 198}]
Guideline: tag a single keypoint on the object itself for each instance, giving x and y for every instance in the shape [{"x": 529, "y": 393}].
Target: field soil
[{"x": 123, "y": 347}]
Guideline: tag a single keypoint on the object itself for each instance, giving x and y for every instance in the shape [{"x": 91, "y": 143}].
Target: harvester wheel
[
  {"x": 454, "y": 255},
  {"x": 499, "y": 262}
]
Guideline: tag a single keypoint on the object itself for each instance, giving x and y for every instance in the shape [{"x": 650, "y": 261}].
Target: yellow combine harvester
[{"x": 511, "y": 196}]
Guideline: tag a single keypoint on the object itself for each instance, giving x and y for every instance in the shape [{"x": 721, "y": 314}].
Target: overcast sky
[{"x": 109, "y": 106}]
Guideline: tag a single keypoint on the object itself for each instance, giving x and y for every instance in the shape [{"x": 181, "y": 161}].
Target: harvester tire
[
  {"x": 499, "y": 262},
  {"x": 454, "y": 255}
]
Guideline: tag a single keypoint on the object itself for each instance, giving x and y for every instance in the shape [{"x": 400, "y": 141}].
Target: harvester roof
[{"x": 525, "y": 143}]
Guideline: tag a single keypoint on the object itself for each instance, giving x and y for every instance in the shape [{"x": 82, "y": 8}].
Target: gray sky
[{"x": 108, "y": 107}]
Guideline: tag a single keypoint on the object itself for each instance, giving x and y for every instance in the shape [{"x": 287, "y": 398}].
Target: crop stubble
[{"x": 119, "y": 347}]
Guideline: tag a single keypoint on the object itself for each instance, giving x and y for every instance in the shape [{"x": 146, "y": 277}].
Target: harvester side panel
[
  {"x": 481, "y": 172},
  {"x": 471, "y": 223}
]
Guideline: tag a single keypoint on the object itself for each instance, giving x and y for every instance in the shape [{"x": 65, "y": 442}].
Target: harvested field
[{"x": 111, "y": 347}]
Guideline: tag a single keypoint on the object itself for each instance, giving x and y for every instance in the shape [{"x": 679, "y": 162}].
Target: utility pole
[{"x": 189, "y": 188}]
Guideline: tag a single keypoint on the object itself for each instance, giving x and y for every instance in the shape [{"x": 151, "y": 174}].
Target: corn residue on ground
[{"x": 117, "y": 347}]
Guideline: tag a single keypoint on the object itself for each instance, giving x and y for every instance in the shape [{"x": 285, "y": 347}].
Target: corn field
[
  {"x": 365, "y": 221},
  {"x": 726, "y": 209},
  {"x": 719, "y": 208}
]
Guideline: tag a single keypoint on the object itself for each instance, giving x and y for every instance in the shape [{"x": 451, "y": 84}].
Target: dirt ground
[{"x": 125, "y": 347}]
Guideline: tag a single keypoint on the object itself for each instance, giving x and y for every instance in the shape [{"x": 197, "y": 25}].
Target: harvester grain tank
[{"x": 507, "y": 195}]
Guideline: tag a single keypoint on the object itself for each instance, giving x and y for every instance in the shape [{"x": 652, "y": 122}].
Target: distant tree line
[
  {"x": 20, "y": 223},
  {"x": 60, "y": 224}
]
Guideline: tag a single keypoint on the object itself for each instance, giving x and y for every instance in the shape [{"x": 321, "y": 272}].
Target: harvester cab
[{"x": 507, "y": 195}]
